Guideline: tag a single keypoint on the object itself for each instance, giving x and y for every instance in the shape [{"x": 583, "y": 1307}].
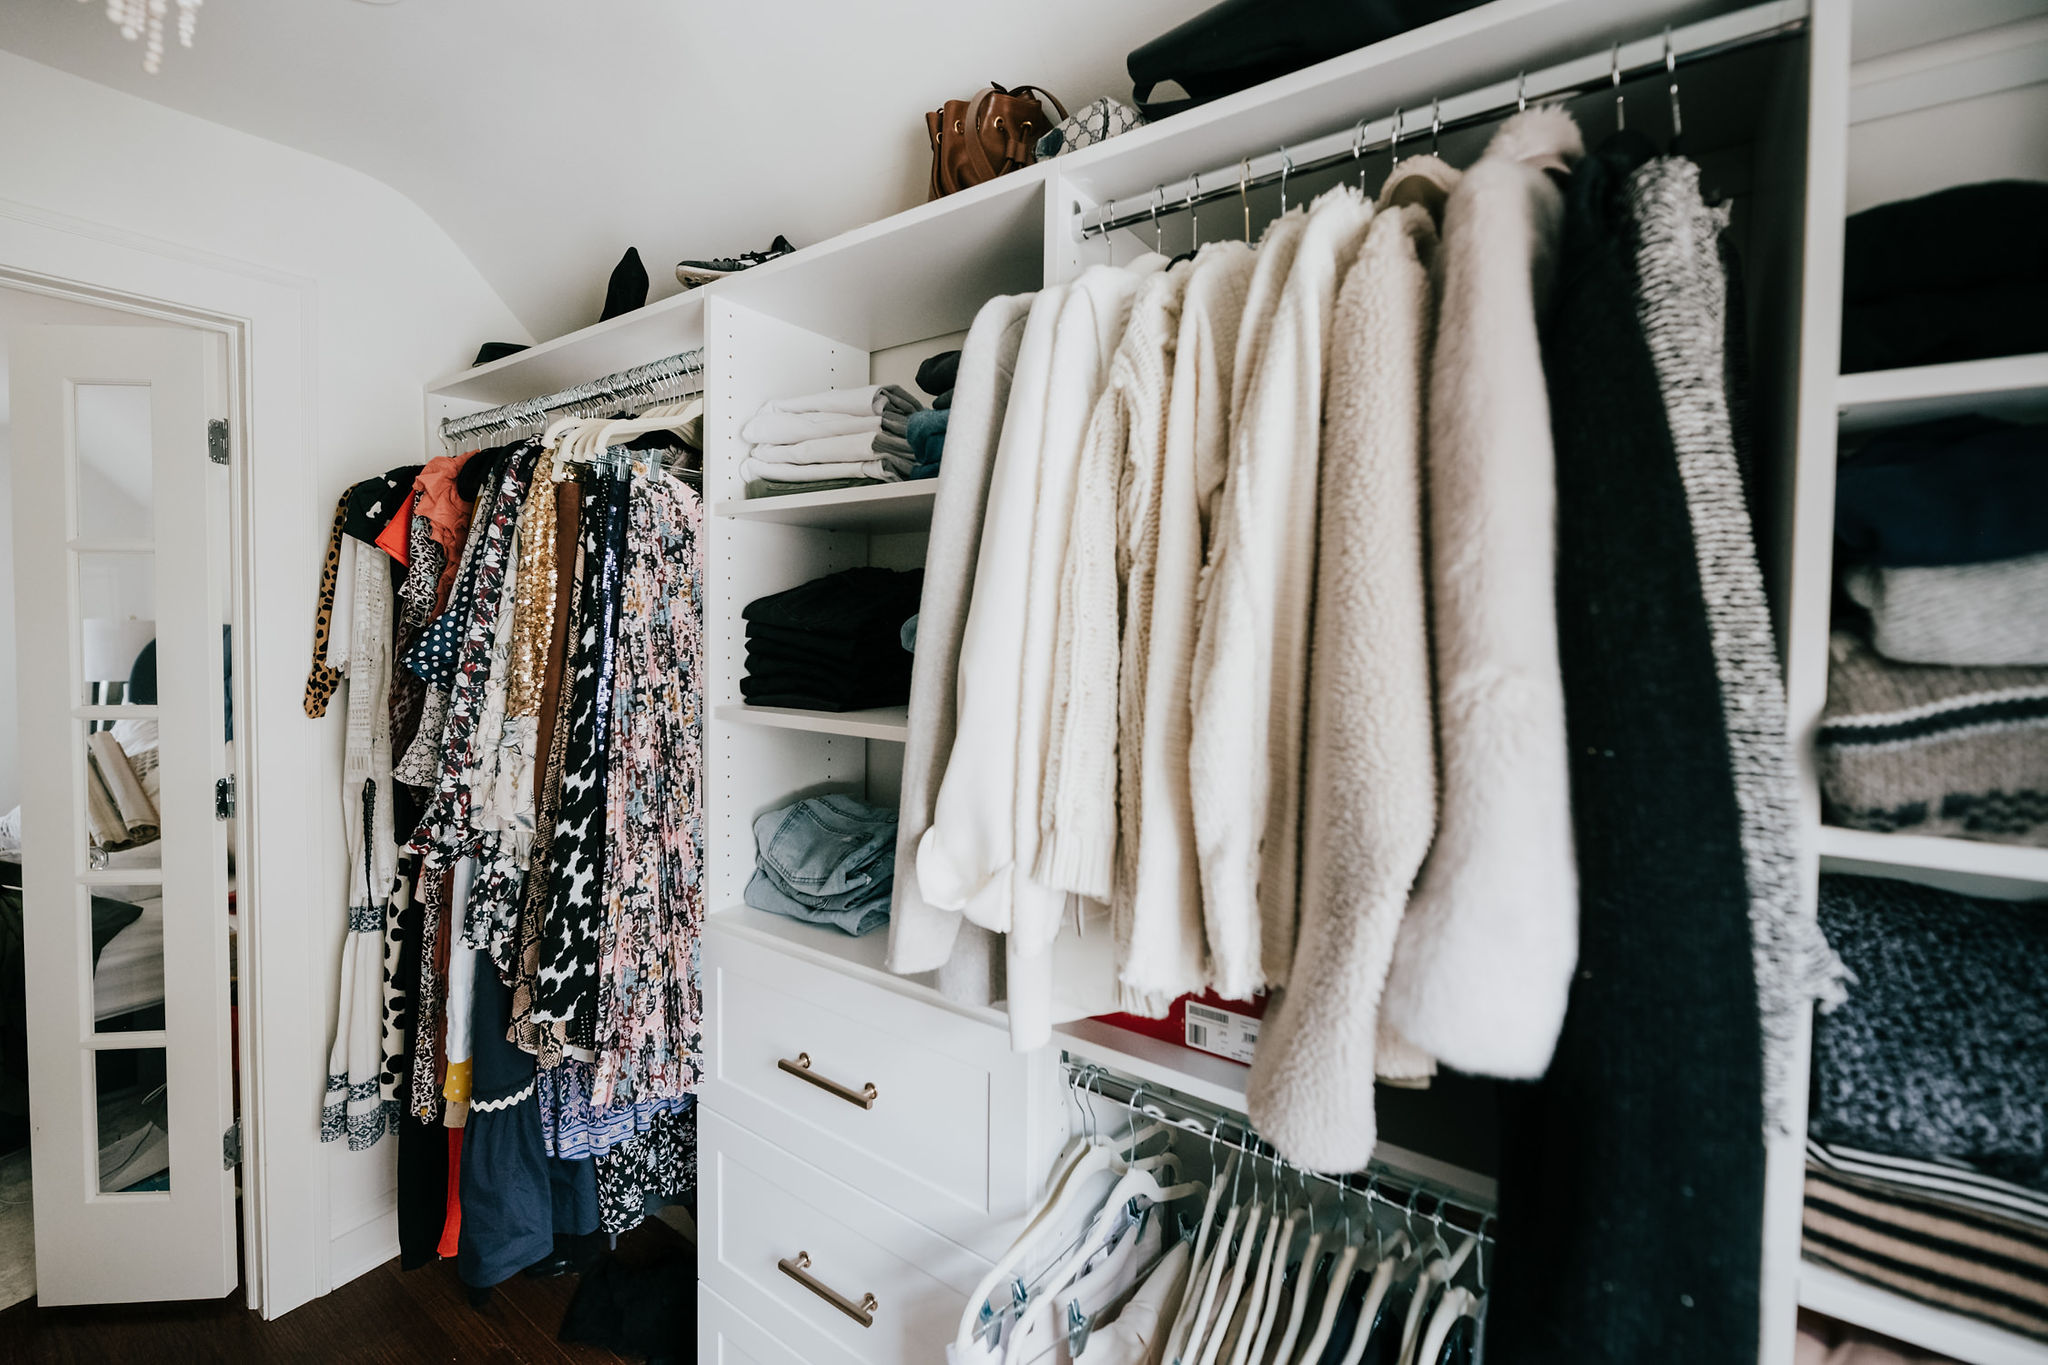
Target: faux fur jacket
[
  {"x": 1369, "y": 803},
  {"x": 1487, "y": 949}
]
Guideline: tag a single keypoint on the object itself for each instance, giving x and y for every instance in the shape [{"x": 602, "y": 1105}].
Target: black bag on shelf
[{"x": 1240, "y": 43}]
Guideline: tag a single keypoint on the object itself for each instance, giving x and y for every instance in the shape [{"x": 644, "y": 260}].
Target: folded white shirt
[
  {"x": 769, "y": 427},
  {"x": 823, "y": 450},
  {"x": 779, "y": 472},
  {"x": 871, "y": 400}
]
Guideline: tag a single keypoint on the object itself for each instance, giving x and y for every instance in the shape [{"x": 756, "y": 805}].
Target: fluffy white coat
[
  {"x": 1369, "y": 804},
  {"x": 1485, "y": 958}
]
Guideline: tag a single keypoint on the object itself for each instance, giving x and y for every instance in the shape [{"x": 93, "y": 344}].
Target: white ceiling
[{"x": 546, "y": 137}]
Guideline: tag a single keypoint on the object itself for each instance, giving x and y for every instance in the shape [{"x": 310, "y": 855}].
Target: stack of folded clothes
[
  {"x": 1927, "y": 1146},
  {"x": 1937, "y": 715},
  {"x": 927, "y": 430},
  {"x": 826, "y": 860},
  {"x": 834, "y": 439},
  {"x": 833, "y": 644},
  {"x": 1905, "y": 302}
]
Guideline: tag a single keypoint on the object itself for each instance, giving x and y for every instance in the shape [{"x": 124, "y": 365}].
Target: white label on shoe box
[{"x": 1235, "y": 1036}]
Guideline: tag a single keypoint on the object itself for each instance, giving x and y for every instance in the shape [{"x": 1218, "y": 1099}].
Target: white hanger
[
  {"x": 1440, "y": 1272},
  {"x": 1198, "y": 1268},
  {"x": 1253, "y": 1351},
  {"x": 1284, "y": 1351},
  {"x": 1263, "y": 1282},
  {"x": 1449, "y": 1309},
  {"x": 1212, "y": 1275},
  {"x": 1211, "y": 1340},
  {"x": 1375, "y": 1292},
  {"x": 1095, "y": 1158},
  {"x": 1340, "y": 1279},
  {"x": 665, "y": 417}
]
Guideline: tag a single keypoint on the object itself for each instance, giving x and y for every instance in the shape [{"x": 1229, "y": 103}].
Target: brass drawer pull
[
  {"x": 799, "y": 1270},
  {"x": 801, "y": 1068}
]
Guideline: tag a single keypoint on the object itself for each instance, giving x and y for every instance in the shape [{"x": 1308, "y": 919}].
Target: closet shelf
[
  {"x": 663, "y": 327},
  {"x": 1876, "y": 1309},
  {"x": 880, "y": 722},
  {"x": 2013, "y": 386},
  {"x": 879, "y": 508},
  {"x": 1857, "y": 850}
]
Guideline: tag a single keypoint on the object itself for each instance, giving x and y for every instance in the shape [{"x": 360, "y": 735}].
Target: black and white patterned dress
[{"x": 565, "y": 989}]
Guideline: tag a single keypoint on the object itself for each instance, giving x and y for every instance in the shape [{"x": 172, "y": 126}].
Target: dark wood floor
[{"x": 389, "y": 1316}]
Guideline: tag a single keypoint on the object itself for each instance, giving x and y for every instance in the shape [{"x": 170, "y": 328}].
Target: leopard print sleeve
[{"x": 323, "y": 678}]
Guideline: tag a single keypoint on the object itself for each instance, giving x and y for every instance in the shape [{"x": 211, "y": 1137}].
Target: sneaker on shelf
[{"x": 693, "y": 273}]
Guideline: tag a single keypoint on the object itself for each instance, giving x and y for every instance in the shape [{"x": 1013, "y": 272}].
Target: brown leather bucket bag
[{"x": 992, "y": 134}]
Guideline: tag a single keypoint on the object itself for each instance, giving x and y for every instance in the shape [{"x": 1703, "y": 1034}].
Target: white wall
[{"x": 392, "y": 303}]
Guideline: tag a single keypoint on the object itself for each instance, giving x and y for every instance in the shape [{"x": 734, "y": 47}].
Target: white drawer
[
  {"x": 760, "y": 1208},
  {"x": 948, "y": 1138},
  {"x": 726, "y": 1336}
]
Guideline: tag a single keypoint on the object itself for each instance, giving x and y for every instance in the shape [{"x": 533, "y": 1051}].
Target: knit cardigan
[
  {"x": 922, "y": 937},
  {"x": 1078, "y": 817},
  {"x": 1251, "y": 656},
  {"x": 1164, "y": 514},
  {"x": 1369, "y": 806},
  {"x": 1682, "y": 298},
  {"x": 1485, "y": 956},
  {"x": 1649, "y": 1121}
]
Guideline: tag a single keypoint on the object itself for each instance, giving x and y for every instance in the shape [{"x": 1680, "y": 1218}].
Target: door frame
[{"x": 268, "y": 319}]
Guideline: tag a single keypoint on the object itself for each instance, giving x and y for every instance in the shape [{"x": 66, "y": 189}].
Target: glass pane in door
[
  {"x": 127, "y": 929},
  {"x": 117, "y": 628},
  {"x": 115, "y": 479},
  {"x": 133, "y": 1104}
]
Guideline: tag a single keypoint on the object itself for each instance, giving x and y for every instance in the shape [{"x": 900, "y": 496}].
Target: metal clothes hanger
[
  {"x": 1620, "y": 109},
  {"x": 1286, "y": 169},
  {"x": 1436, "y": 122},
  {"x": 1358, "y": 152},
  {"x": 1671, "y": 74},
  {"x": 1158, "y": 240},
  {"x": 1244, "y": 194},
  {"x": 1394, "y": 140}
]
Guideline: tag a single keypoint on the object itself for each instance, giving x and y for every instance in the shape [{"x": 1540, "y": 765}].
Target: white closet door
[{"x": 119, "y": 539}]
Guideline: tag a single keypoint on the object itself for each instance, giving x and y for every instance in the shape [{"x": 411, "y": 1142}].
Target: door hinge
[
  {"x": 224, "y": 799},
  {"x": 217, "y": 440},
  {"x": 231, "y": 1146}
]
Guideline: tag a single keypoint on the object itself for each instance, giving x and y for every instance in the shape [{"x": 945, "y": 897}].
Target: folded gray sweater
[{"x": 1982, "y": 614}]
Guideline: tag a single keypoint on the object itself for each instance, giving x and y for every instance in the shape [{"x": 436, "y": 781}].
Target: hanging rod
[
  {"x": 1420, "y": 125},
  {"x": 1091, "y": 1080},
  {"x": 642, "y": 382}
]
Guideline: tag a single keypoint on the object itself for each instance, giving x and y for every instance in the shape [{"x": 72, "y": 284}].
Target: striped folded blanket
[
  {"x": 1939, "y": 1182},
  {"x": 1964, "y": 1260},
  {"x": 1920, "y": 749}
]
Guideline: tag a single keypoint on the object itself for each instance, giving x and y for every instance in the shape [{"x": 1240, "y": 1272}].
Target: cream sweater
[
  {"x": 964, "y": 859},
  {"x": 1166, "y": 495},
  {"x": 1251, "y": 654},
  {"x": 1369, "y": 805},
  {"x": 1486, "y": 952},
  {"x": 921, "y": 935},
  {"x": 1091, "y": 324},
  {"x": 1078, "y": 816}
]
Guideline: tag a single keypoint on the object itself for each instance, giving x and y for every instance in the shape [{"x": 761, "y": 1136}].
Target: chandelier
[{"x": 144, "y": 19}]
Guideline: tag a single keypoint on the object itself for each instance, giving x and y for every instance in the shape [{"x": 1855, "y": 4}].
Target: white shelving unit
[
  {"x": 881, "y": 508},
  {"x": 890, "y": 723},
  {"x": 1897, "y": 88},
  {"x": 2013, "y": 387},
  {"x": 1776, "y": 127}
]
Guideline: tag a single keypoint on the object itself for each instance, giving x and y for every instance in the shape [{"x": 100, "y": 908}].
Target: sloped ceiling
[{"x": 546, "y": 137}]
